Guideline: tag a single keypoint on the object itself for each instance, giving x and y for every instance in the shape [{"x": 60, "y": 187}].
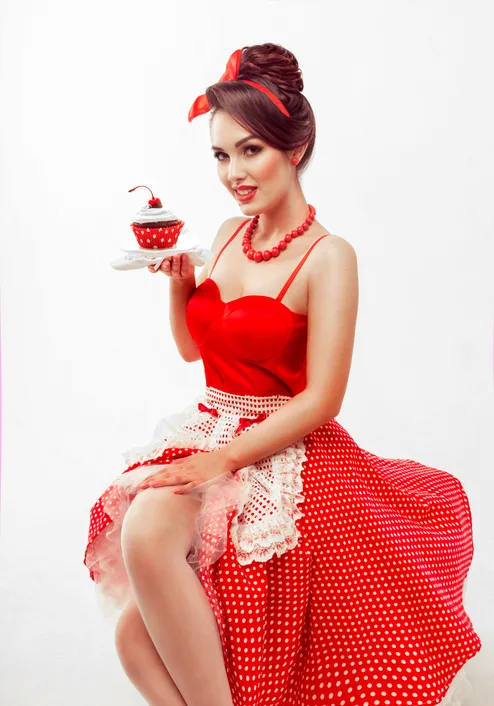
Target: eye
[{"x": 249, "y": 147}]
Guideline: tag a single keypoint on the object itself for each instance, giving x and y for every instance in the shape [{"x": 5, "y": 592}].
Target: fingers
[
  {"x": 184, "y": 488},
  {"x": 164, "y": 267},
  {"x": 178, "y": 266},
  {"x": 161, "y": 480}
]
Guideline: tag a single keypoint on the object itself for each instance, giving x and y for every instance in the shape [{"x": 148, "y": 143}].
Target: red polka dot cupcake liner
[{"x": 157, "y": 238}]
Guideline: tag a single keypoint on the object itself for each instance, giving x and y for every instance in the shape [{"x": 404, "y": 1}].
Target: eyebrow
[{"x": 237, "y": 144}]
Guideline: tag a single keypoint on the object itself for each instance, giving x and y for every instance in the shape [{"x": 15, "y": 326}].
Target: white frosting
[{"x": 147, "y": 214}]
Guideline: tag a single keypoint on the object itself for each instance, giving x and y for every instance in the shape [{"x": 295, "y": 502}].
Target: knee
[{"x": 148, "y": 524}]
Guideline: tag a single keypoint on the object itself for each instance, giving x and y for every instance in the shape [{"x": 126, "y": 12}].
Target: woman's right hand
[{"x": 177, "y": 267}]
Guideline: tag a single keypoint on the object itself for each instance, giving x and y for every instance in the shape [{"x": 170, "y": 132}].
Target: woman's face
[{"x": 250, "y": 163}]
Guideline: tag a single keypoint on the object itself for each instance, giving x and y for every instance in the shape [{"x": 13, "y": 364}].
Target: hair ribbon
[{"x": 231, "y": 73}]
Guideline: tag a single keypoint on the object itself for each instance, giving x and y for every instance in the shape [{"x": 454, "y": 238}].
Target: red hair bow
[{"x": 201, "y": 105}]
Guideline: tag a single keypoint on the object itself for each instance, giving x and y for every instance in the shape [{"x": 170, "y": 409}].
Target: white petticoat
[{"x": 262, "y": 497}]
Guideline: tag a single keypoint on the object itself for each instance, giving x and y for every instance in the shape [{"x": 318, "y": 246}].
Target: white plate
[
  {"x": 137, "y": 259},
  {"x": 160, "y": 251}
]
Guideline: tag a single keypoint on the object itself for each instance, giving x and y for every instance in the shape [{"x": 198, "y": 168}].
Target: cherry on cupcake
[{"x": 153, "y": 202}]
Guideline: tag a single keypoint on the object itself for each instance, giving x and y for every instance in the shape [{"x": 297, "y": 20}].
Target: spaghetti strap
[
  {"x": 227, "y": 243},
  {"x": 292, "y": 276}
]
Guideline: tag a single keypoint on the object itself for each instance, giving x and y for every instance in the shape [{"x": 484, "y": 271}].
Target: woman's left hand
[{"x": 189, "y": 471}]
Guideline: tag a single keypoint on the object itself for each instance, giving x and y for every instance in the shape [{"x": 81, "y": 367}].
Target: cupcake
[{"x": 155, "y": 227}]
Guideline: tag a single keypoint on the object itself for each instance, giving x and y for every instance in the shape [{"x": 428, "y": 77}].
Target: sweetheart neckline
[{"x": 253, "y": 296}]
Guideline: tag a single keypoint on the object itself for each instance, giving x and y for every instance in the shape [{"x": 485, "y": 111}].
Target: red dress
[{"x": 335, "y": 575}]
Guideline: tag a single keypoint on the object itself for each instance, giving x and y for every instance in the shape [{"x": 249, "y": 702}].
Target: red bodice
[{"x": 252, "y": 345}]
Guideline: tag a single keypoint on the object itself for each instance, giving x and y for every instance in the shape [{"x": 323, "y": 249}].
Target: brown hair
[{"x": 276, "y": 68}]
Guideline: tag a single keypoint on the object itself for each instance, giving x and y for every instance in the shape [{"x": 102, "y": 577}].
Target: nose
[{"x": 236, "y": 174}]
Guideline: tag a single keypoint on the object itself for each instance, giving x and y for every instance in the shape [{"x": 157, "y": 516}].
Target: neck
[{"x": 281, "y": 218}]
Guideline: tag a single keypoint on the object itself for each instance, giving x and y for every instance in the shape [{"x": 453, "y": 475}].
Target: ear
[{"x": 298, "y": 153}]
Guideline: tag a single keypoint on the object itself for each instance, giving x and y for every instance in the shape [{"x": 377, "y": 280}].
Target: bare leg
[
  {"x": 141, "y": 662},
  {"x": 182, "y": 626},
  {"x": 175, "y": 609}
]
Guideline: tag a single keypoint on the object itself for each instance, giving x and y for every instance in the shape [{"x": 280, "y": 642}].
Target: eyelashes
[{"x": 249, "y": 147}]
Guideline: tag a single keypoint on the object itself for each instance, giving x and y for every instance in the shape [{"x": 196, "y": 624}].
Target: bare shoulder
[
  {"x": 225, "y": 231},
  {"x": 332, "y": 251},
  {"x": 335, "y": 243},
  {"x": 229, "y": 226},
  {"x": 336, "y": 259}
]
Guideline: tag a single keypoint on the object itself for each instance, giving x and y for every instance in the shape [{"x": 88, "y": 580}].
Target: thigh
[{"x": 159, "y": 514}]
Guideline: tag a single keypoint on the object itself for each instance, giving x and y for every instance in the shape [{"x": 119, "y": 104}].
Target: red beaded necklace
[{"x": 261, "y": 255}]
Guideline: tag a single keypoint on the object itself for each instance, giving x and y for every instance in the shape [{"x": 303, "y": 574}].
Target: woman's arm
[
  {"x": 182, "y": 289},
  {"x": 332, "y": 314}
]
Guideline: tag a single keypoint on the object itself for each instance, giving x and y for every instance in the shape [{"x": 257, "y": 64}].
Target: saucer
[{"x": 140, "y": 258}]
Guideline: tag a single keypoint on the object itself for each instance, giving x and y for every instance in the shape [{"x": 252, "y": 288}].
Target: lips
[{"x": 248, "y": 196}]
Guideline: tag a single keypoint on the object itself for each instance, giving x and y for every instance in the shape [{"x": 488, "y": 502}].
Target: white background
[{"x": 95, "y": 97}]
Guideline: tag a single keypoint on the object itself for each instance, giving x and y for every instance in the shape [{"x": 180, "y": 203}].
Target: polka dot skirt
[{"x": 367, "y": 609}]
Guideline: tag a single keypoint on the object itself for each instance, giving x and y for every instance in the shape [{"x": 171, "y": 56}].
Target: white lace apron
[{"x": 262, "y": 497}]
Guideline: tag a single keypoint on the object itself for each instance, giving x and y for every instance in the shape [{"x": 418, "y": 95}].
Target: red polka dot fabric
[{"x": 367, "y": 609}]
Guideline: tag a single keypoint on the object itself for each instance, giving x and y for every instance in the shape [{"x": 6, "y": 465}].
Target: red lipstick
[{"x": 247, "y": 197}]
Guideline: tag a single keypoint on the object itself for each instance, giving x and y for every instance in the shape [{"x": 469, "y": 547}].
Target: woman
[{"x": 260, "y": 556}]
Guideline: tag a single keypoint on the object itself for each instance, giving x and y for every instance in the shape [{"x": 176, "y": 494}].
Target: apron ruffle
[{"x": 258, "y": 503}]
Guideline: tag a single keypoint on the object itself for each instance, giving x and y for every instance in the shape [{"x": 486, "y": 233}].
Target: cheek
[{"x": 268, "y": 170}]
